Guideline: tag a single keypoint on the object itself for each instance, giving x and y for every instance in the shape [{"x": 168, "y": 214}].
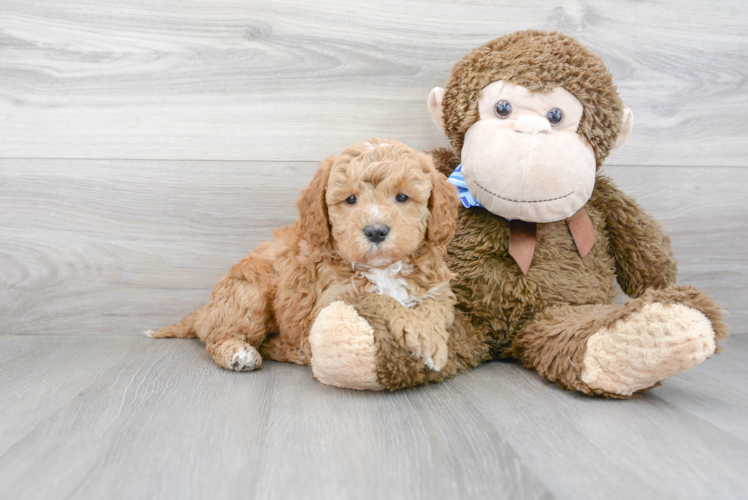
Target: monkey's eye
[
  {"x": 555, "y": 116},
  {"x": 351, "y": 200},
  {"x": 402, "y": 198},
  {"x": 503, "y": 109}
]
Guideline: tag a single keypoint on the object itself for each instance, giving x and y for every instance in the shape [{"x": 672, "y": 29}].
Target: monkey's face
[{"x": 523, "y": 158}]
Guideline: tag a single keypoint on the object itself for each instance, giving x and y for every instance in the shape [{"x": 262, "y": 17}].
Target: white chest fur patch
[{"x": 388, "y": 281}]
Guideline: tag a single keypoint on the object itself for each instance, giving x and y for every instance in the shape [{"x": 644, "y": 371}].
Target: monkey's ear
[
  {"x": 313, "y": 220},
  {"x": 435, "y": 107},
  {"x": 628, "y": 124}
]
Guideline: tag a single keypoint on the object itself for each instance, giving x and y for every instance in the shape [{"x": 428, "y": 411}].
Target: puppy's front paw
[
  {"x": 422, "y": 339},
  {"x": 439, "y": 342}
]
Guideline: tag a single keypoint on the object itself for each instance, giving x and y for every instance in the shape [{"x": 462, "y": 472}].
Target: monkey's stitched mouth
[{"x": 518, "y": 201}]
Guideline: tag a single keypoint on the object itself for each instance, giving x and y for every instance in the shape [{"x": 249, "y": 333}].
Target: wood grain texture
[
  {"x": 164, "y": 422},
  {"x": 294, "y": 80},
  {"x": 701, "y": 391},
  {"x": 125, "y": 246},
  {"x": 650, "y": 447},
  {"x": 117, "y": 247},
  {"x": 134, "y": 418}
]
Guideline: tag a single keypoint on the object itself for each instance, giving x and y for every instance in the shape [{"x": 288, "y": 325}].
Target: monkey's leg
[
  {"x": 239, "y": 315},
  {"x": 344, "y": 351},
  {"x": 353, "y": 348},
  {"x": 617, "y": 352}
]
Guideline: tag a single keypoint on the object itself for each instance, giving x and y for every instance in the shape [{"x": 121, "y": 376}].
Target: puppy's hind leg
[
  {"x": 231, "y": 352},
  {"x": 239, "y": 315}
]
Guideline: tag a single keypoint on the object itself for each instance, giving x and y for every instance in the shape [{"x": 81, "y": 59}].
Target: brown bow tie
[{"x": 522, "y": 238}]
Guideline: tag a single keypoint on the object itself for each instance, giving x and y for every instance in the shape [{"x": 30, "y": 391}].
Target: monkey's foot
[
  {"x": 343, "y": 349},
  {"x": 647, "y": 346}
]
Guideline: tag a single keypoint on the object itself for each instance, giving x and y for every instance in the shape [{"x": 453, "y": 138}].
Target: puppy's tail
[{"x": 185, "y": 329}]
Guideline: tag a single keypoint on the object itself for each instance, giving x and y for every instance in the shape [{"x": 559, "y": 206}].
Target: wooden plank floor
[
  {"x": 133, "y": 418},
  {"x": 146, "y": 146}
]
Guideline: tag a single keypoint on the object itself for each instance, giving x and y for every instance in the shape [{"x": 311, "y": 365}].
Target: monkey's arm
[{"x": 640, "y": 247}]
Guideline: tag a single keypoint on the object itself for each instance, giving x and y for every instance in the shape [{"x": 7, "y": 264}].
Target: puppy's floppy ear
[
  {"x": 313, "y": 220},
  {"x": 442, "y": 204}
]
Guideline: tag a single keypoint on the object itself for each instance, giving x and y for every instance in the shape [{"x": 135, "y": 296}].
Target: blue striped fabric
[{"x": 462, "y": 190}]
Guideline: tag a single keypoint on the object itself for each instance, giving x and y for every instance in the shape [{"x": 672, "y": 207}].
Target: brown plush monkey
[{"x": 531, "y": 117}]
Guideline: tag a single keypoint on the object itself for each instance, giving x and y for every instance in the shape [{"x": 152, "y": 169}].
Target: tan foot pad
[
  {"x": 646, "y": 347},
  {"x": 343, "y": 349}
]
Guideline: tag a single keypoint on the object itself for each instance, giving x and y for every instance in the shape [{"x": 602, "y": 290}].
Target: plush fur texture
[
  {"x": 549, "y": 318},
  {"x": 561, "y": 288},
  {"x": 538, "y": 61},
  {"x": 269, "y": 300},
  {"x": 556, "y": 342},
  {"x": 345, "y": 352},
  {"x": 637, "y": 352},
  {"x": 467, "y": 348}
]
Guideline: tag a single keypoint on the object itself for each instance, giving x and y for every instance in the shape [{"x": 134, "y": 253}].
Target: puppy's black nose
[{"x": 376, "y": 234}]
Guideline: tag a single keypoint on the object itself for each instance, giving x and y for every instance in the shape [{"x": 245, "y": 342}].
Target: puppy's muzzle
[{"x": 376, "y": 234}]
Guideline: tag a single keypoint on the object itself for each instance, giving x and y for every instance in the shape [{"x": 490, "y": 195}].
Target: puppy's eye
[
  {"x": 351, "y": 200},
  {"x": 402, "y": 198},
  {"x": 555, "y": 116},
  {"x": 503, "y": 109}
]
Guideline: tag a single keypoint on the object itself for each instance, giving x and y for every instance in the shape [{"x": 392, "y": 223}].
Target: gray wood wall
[{"x": 147, "y": 145}]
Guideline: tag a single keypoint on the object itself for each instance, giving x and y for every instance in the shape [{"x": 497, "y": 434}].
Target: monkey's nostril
[{"x": 376, "y": 234}]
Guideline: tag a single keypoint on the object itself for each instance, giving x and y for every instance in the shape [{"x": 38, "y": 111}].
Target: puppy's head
[{"x": 378, "y": 202}]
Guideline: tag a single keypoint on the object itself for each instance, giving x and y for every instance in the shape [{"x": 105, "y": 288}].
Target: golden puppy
[{"x": 373, "y": 228}]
